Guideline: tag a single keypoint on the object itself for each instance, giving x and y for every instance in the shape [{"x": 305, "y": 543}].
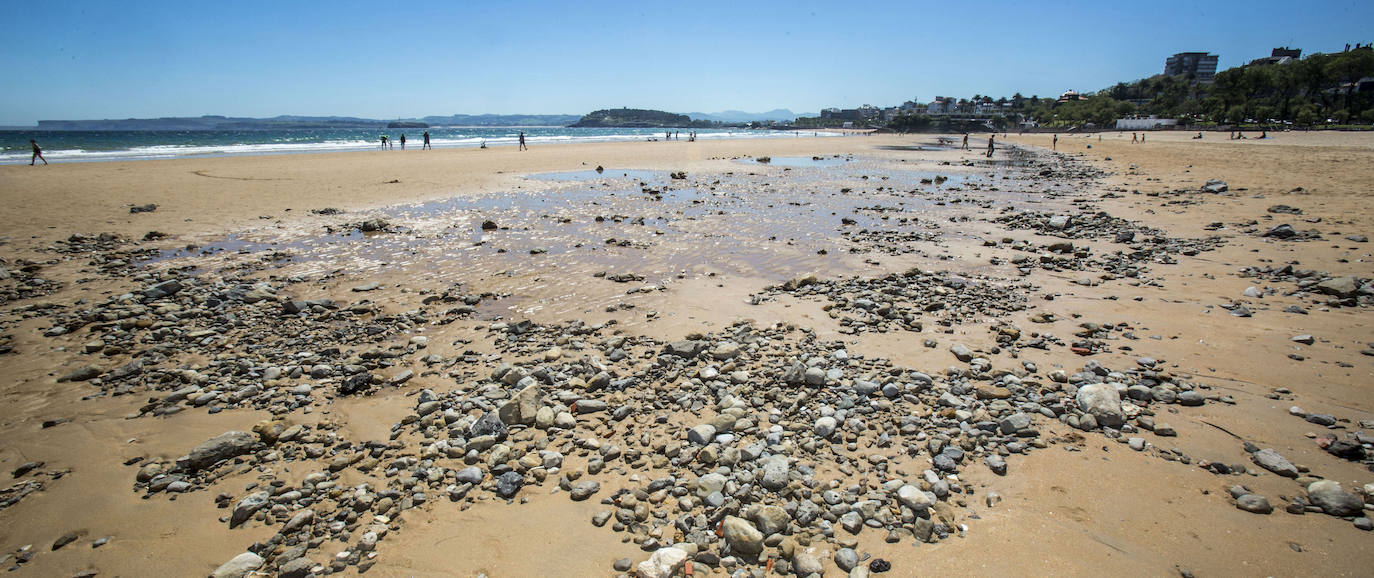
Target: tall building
[{"x": 1201, "y": 65}]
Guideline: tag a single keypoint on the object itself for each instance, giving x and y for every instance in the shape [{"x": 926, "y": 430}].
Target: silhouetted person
[
  {"x": 991, "y": 146},
  {"x": 403, "y": 141},
  {"x": 426, "y": 145},
  {"x": 1142, "y": 138},
  {"x": 522, "y": 141},
  {"x": 383, "y": 142},
  {"x": 1134, "y": 139},
  {"x": 1054, "y": 145},
  {"x": 965, "y": 141},
  {"x": 37, "y": 153}
]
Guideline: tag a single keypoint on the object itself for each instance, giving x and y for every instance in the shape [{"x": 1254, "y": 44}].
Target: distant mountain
[
  {"x": 637, "y": 118},
  {"x": 777, "y": 114}
]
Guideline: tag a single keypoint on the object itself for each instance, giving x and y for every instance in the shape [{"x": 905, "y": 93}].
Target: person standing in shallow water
[
  {"x": 522, "y": 141},
  {"x": 403, "y": 141},
  {"x": 37, "y": 153},
  {"x": 426, "y": 145}
]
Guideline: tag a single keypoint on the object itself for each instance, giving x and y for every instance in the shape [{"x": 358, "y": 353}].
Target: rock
[
  {"x": 686, "y": 349},
  {"x": 961, "y": 352},
  {"x": 996, "y": 464},
  {"x": 1254, "y": 503},
  {"x": 84, "y": 373},
  {"x": 222, "y": 447},
  {"x": 742, "y": 537},
  {"x": 1272, "y": 461},
  {"x": 489, "y": 424},
  {"x": 1346, "y": 449},
  {"x": 846, "y": 559},
  {"x": 1058, "y": 222},
  {"x": 702, "y": 434},
  {"x": 64, "y": 539},
  {"x": 584, "y": 490},
  {"x": 1014, "y": 423},
  {"x": 248, "y": 506},
  {"x": 1342, "y": 287},
  {"x": 825, "y": 427},
  {"x": 1284, "y": 231},
  {"x": 469, "y": 475},
  {"x": 298, "y": 568},
  {"x": 771, "y": 520},
  {"x": 912, "y": 497},
  {"x": 239, "y": 566},
  {"x": 775, "y": 472},
  {"x": 521, "y": 409},
  {"x": 1334, "y": 500},
  {"x": 1101, "y": 401},
  {"x": 663, "y": 563},
  {"x": 163, "y": 289},
  {"x": 806, "y": 564},
  {"x": 1305, "y": 339},
  {"x": 1215, "y": 186},
  {"x": 508, "y": 484},
  {"x": 1364, "y": 523}
]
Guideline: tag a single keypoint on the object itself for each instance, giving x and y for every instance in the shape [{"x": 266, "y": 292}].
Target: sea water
[{"x": 125, "y": 145}]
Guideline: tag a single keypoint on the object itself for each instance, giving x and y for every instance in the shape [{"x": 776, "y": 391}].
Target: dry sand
[{"x": 1102, "y": 510}]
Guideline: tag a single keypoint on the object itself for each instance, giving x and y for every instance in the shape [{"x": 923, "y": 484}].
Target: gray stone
[
  {"x": 584, "y": 490},
  {"x": 775, "y": 472},
  {"x": 806, "y": 564},
  {"x": 825, "y": 427},
  {"x": 702, "y": 434},
  {"x": 1272, "y": 461},
  {"x": 469, "y": 475},
  {"x": 298, "y": 568},
  {"x": 238, "y": 566},
  {"x": 1340, "y": 286},
  {"x": 1333, "y": 499},
  {"x": 222, "y": 447},
  {"x": 248, "y": 506},
  {"x": 847, "y": 559},
  {"x": 508, "y": 484},
  {"x": 996, "y": 464},
  {"x": 1014, "y": 423},
  {"x": 961, "y": 352},
  {"x": 1254, "y": 503},
  {"x": 1101, "y": 401}
]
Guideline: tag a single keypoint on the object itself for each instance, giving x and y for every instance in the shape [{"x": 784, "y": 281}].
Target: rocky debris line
[
  {"x": 903, "y": 301},
  {"x": 265, "y": 350},
  {"x": 1356, "y": 446},
  {"x": 737, "y": 449},
  {"x": 21, "y": 279},
  {"x": 1320, "y": 496},
  {"x": 1146, "y": 245},
  {"x": 1319, "y": 287},
  {"x": 895, "y": 240},
  {"x": 317, "y": 509},
  {"x": 111, "y": 254}
]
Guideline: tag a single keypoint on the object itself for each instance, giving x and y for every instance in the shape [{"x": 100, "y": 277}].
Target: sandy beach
[{"x": 889, "y": 339}]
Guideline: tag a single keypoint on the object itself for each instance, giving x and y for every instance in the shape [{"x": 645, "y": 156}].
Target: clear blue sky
[{"x": 381, "y": 59}]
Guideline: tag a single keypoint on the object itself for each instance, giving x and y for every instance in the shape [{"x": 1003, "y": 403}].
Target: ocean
[{"x": 86, "y": 146}]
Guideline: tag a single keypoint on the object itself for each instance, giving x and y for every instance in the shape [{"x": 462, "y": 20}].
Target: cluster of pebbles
[
  {"x": 1318, "y": 287},
  {"x": 1144, "y": 245}
]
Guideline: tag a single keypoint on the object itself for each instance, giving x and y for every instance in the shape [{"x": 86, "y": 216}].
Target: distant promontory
[{"x": 637, "y": 118}]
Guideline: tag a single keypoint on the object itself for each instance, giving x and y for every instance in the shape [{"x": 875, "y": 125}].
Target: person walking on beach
[
  {"x": 1142, "y": 138},
  {"x": 965, "y": 141},
  {"x": 991, "y": 147},
  {"x": 1133, "y": 139},
  {"x": 37, "y": 153},
  {"x": 403, "y": 141},
  {"x": 1054, "y": 145},
  {"x": 426, "y": 145},
  {"x": 522, "y": 141}
]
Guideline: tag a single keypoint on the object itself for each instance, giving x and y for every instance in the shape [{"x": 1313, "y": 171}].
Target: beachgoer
[
  {"x": 403, "y": 141},
  {"x": 426, "y": 145},
  {"x": 1199, "y": 135},
  {"x": 37, "y": 153},
  {"x": 677, "y": 135},
  {"x": 667, "y": 135},
  {"x": 383, "y": 141},
  {"x": 1134, "y": 139},
  {"x": 965, "y": 141},
  {"x": 1054, "y": 145},
  {"x": 991, "y": 146},
  {"x": 522, "y": 141},
  {"x": 1142, "y": 138}
]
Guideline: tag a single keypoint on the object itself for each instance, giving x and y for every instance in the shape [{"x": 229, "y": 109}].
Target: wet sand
[{"x": 695, "y": 255}]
